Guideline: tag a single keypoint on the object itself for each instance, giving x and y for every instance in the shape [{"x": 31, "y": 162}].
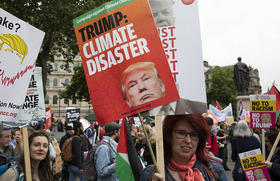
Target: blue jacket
[
  {"x": 105, "y": 162},
  {"x": 220, "y": 172}
]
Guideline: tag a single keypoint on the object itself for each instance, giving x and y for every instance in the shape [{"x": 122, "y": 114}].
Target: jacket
[
  {"x": 105, "y": 160},
  {"x": 219, "y": 170}
]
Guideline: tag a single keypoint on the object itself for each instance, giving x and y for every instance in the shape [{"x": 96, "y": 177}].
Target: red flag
[
  {"x": 218, "y": 106},
  {"x": 276, "y": 92},
  {"x": 48, "y": 117}
]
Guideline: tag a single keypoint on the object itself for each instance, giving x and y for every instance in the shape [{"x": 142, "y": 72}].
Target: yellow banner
[{"x": 263, "y": 106}]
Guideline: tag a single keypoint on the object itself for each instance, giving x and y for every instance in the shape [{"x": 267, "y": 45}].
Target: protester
[
  {"x": 7, "y": 153},
  {"x": 39, "y": 159},
  {"x": 75, "y": 168},
  {"x": 222, "y": 143},
  {"x": 105, "y": 154},
  {"x": 18, "y": 140},
  {"x": 142, "y": 145},
  {"x": 242, "y": 141},
  {"x": 69, "y": 133},
  {"x": 59, "y": 126},
  {"x": 134, "y": 132},
  {"x": 274, "y": 164},
  {"x": 184, "y": 139},
  {"x": 211, "y": 143}
]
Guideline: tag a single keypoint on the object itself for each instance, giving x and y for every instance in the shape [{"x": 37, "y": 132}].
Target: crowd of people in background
[{"x": 194, "y": 149}]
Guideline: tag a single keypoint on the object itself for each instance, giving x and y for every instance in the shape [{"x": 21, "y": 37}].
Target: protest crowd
[
  {"x": 194, "y": 149},
  {"x": 148, "y": 95}
]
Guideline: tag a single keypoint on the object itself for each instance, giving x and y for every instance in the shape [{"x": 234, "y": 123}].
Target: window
[
  {"x": 55, "y": 67},
  {"x": 48, "y": 82},
  {"x": 66, "y": 81},
  {"x": 55, "y": 82},
  {"x": 66, "y": 101},
  {"x": 54, "y": 99},
  {"x": 47, "y": 101}
]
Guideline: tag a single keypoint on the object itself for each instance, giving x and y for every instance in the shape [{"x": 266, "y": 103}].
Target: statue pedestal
[{"x": 245, "y": 101}]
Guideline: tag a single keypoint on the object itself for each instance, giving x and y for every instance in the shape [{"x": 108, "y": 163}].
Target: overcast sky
[{"x": 246, "y": 28}]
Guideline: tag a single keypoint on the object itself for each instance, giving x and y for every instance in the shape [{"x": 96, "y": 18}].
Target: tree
[
  {"x": 222, "y": 87},
  {"x": 77, "y": 89},
  {"x": 54, "y": 17}
]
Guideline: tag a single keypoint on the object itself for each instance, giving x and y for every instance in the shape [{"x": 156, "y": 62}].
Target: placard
[
  {"x": 253, "y": 167},
  {"x": 262, "y": 111},
  {"x": 19, "y": 47},
  {"x": 125, "y": 66},
  {"x": 72, "y": 115}
]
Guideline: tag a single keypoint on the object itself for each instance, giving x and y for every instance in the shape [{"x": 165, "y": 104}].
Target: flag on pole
[
  {"x": 275, "y": 91},
  {"x": 240, "y": 109},
  {"x": 218, "y": 106},
  {"x": 128, "y": 165},
  {"x": 48, "y": 117}
]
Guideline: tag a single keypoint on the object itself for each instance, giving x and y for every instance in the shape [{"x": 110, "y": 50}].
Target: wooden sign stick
[
  {"x": 159, "y": 145},
  {"x": 263, "y": 144},
  {"x": 148, "y": 142},
  {"x": 26, "y": 155}
]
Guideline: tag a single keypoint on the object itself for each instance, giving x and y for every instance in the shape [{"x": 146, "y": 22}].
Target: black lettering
[
  {"x": 82, "y": 30},
  {"x": 109, "y": 23},
  {"x": 98, "y": 29},
  {"x": 118, "y": 17},
  {"x": 5, "y": 22},
  {"x": 11, "y": 26},
  {"x": 90, "y": 32}
]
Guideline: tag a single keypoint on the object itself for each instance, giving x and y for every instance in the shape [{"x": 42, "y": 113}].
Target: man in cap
[{"x": 105, "y": 154}]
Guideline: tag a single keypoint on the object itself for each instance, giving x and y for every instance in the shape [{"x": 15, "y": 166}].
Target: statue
[{"x": 241, "y": 77}]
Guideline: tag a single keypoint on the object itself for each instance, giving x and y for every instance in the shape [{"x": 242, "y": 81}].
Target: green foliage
[
  {"x": 222, "y": 87},
  {"x": 77, "y": 88},
  {"x": 55, "y": 18}
]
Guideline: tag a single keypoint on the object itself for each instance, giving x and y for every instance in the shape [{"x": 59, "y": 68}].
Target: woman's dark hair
[
  {"x": 198, "y": 124},
  {"x": 271, "y": 136},
  {"x": 44, "y": 169}
]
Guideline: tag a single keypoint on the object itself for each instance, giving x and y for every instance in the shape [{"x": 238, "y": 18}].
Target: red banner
[{"x": 48, "y": 117}]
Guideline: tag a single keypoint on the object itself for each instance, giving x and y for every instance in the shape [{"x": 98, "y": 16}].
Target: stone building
[
  {"x": 254, "y": 84},
  {"x": 54, "y": 86}
]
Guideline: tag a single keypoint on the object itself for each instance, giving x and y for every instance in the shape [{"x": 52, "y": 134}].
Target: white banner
[
  {"x": 33, "y": 108},
  {"x": 179, "y": 29},
  {"x": 19, "y": 47}
]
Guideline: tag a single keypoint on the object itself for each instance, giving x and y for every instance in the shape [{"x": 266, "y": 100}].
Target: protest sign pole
[
  {"x": 159, "y": 145},
  {"x": 263, "y": 143},
  {"x": 148, "y": 142},
  {"x": 26, "y": 155},
  {"x": 273, "y": 148}
]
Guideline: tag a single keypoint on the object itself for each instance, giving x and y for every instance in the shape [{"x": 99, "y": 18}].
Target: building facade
[{"x": 54, "y": 86}]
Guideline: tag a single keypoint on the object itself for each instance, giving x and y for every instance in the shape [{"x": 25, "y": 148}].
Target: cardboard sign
[
  {"x": 19, "y": 47},
  {"x": 262, "y": 111},
  {"x": 72, "y": 115},
  {"x": 125, "y": 66},
  {"x": 252, "y": 166},
  {"x": 58, "y": 159},
  {"x": 179, "y": 30}
]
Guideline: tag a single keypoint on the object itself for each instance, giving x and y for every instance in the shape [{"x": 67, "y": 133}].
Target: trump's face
[{"x": 142, "y": 86}]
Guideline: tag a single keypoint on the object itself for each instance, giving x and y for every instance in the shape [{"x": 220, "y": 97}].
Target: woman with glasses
[{"x": 184, "y": 139}]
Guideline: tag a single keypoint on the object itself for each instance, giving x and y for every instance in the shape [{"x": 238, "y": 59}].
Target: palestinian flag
[{"x": 128, "y": 165}]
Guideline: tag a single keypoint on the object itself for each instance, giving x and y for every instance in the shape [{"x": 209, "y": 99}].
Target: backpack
[
  {"x": 66, "y": 152},
  {"x": 89, "y": 165}
]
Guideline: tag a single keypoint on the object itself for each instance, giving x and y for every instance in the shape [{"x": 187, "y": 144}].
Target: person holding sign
[
  {"x": 184, "y": 139},
  {"x": 273, "y": 165},
  {"x": 242, "y": 141},
  {"x": 39, "y": 158}
]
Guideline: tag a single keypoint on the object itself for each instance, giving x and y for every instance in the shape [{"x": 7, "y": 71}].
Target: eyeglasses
[{"x": 181, "y": 134}]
